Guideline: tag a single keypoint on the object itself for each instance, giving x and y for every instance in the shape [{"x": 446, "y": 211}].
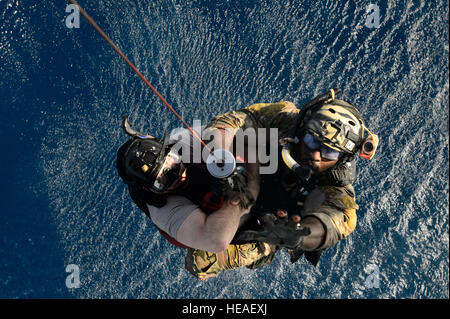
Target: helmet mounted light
[{"x": 369, "y": 145}]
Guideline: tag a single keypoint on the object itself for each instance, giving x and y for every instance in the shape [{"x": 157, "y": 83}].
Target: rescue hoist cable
[{"x": 120, "y": 53}]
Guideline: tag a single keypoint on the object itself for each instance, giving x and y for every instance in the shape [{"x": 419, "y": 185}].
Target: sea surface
[{"x": 65, "y": 214}]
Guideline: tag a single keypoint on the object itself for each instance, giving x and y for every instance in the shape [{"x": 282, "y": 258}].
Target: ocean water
[{"x": 64, "y": 91}]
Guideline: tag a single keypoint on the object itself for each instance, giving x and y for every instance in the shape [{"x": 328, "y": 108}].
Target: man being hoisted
[{"x": 177, "y": 196}]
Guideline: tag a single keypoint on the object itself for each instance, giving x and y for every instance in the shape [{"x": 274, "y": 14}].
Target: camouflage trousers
[{"x": 203, "y": 264}]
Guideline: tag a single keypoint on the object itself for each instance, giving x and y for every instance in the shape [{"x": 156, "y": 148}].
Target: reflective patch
[{"x": 350, "y": 145}]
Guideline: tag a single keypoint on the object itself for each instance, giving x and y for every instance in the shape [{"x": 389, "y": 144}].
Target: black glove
[{"x": 278, "y": 230}]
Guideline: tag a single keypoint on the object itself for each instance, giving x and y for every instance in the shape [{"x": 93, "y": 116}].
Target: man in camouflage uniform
[{"x": 327, "y": 210}]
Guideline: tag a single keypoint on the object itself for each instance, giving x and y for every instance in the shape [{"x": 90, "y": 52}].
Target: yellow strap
[{"x": 333, "y": 94}]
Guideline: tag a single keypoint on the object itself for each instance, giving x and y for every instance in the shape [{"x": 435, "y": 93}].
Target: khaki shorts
[{"x": 203, "y": 264}]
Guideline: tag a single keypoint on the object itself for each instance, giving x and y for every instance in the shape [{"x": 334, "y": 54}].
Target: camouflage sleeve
[
  {"x": 263, "y": 115},
  {"x": 336, "y": 208},
  {"x": 280, "y": 115}
]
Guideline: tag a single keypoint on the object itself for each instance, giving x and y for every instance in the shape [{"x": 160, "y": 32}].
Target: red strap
[
  {"x": 211, "y": 202},
  {"x": 170, "y": 239}
]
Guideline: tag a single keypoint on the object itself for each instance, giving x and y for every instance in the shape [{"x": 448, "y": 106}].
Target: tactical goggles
[{"x": 326, "y": 152}]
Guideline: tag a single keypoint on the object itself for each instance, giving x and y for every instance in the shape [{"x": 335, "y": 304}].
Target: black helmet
[{"x": 139, "y": 159}]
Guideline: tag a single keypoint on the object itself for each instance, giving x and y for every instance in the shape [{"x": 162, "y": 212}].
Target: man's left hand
[{"x": 278, "y": 229}]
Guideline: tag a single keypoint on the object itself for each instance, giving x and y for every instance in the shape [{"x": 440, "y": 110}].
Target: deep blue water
[{"x": 64, "y": 91}]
